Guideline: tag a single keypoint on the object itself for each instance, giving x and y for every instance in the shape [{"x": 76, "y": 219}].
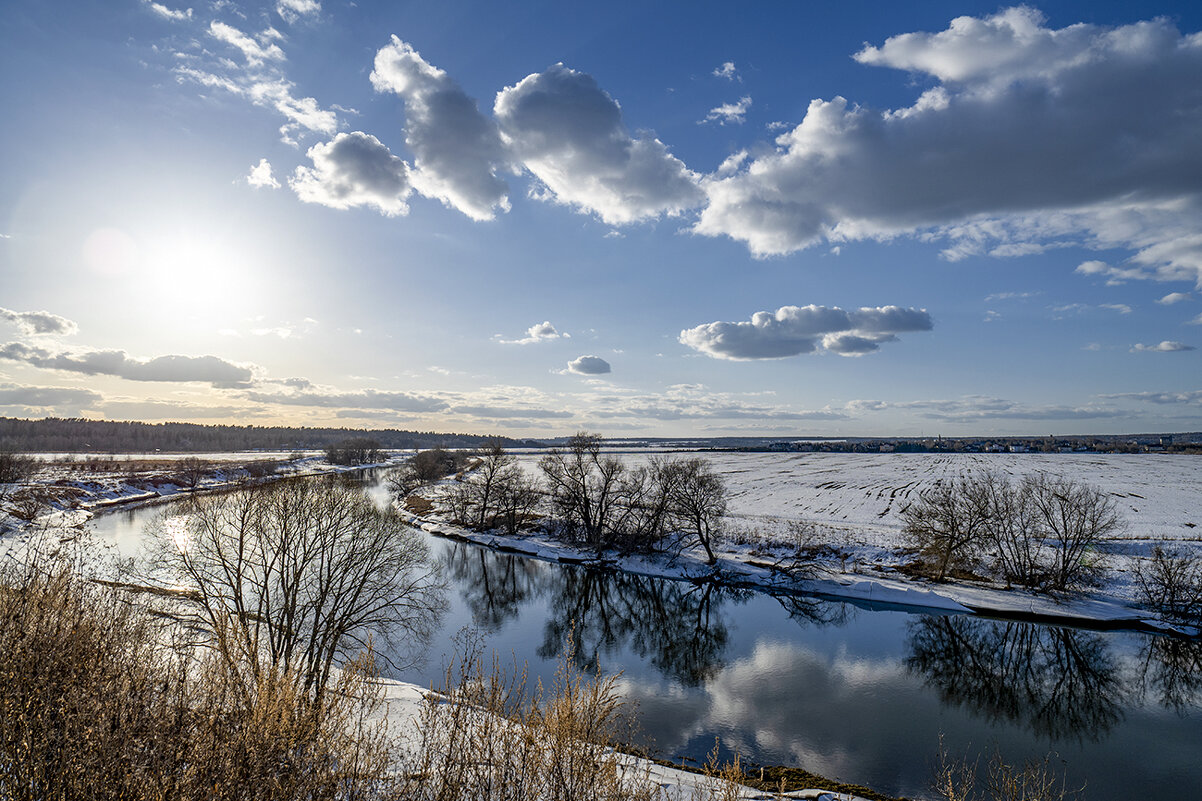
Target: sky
[{"x": 633, "y": 218}]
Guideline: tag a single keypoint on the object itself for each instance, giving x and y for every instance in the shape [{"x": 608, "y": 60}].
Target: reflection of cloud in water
[{"x": 788, "y": 705}]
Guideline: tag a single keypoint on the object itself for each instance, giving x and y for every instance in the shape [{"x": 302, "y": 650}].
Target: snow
[
  {"x": 402, "y": 703},
  {"x": 853, "y": 502}
]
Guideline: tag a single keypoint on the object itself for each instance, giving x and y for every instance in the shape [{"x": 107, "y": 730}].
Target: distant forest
[{"x": 103, "y": 436}]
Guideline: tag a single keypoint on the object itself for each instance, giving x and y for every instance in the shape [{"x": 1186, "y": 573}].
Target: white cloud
[
  {"x": 260, "y": 176},
  {"x": 794, "y": 330},
  {"x": 729, "y": 112},
  {"x": 261, "y": 80},
  {"x": 39, "y": 322},
  {"x": 1166, "y": 346},
  {"x": 254, "y": 51},
  {"x": 539, "y": 332},
  {"x": 354, "y": 169},
  {"x": 1121, "y": 308},
  {"x": 58, "y": 397},
  {"x": 569, "y": 133},
  {"x": 292, "y": 10},
  {"x": 973, "y": 408},
  {"x": 456, "y": 148},
  {"x": 728, "y": 71},
  {"x": 1011, "y": 296},
  {"x": 168, "y": 13},
  {"x": 208, "y": 369},
  {"x": 1175, "y": 297},
  {"x": 1163, "y": 398},
  {"x": 365, "y": 399},
  {"x": 1033, "y": 136},
  {"x": 589, "y": 365}
]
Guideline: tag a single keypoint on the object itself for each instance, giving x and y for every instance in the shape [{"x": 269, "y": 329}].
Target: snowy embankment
[
  {"x": 402, "y": 706},
  {"x": 851, "y": 503},
  {"x": 72, "y": 497}
]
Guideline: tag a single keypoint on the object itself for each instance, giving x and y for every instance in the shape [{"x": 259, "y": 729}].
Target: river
[{"x": 852, "y": 692}]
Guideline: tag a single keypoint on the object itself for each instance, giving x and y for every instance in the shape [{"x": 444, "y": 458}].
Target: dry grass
[
  {"x": 98, "y": 702},
  {"x": 489, "y": 734},
  {"x": 1034, "y": 780}
]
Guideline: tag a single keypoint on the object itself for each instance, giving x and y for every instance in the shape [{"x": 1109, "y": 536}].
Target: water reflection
[
  {"x": 494, "y": 586},
  {"x": 1063, "y": 684},
  {"x": 1172, "y": 672},
  {"x": 680, "y": 628}
]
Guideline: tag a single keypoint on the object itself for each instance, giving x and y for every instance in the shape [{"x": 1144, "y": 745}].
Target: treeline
[
  {"x": 104, "y": 436},
  {"x": 584, "y": 496}
]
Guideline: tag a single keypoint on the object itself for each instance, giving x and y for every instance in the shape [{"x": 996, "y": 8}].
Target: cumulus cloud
[
  {"x": 354, "y": 169},
  {"x": 727, "y": 70},
  {"x": 168, "y": 13},
  {"x": 539, "y": 332},
  {"x": 1175, "y": 297},
  {"x": 589, "y": 365},
  {"x": 729, "y": 112},
  {"x": 292, "y": 10},
  {"x": 365, "y": 399},
  {"x": 39, "y": 322},
  {"x": 794, "y": 330},
  {"x": 260, "y": 176},
  {"x": 1031, "y": 135},
  {"x": 59, "y": 397},
  {"x": 456, "y": 148},
  {"x": 208, "y": 369},
  {"x": 1167, "y": 346},
  {"x": 569, "y": 134}
]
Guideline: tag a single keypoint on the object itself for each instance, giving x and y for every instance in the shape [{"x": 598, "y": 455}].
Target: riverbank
[{"x": 778, "y": 572}]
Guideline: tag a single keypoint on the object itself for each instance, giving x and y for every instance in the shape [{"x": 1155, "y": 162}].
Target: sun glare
[{"x": 176, "y": 527}]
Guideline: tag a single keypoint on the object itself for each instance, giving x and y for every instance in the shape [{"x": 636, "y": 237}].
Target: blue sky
[{"x": 634, "y": 218}]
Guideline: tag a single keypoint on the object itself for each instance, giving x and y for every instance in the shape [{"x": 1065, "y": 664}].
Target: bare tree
[
  {"x": 1171, "y": 583},
  {"x": 697, "y": 500},
  {"x": 425, "y": 467},
  {"x": 947, "y": 523},
  {"x": 1079, "y": 518},
  {"x": 480, "y": 489},
  {"x": 298, "y": 575},
  {"x": 191, "y": 471},
  {"x": 584, "y": 487},
  {"x": 354, "y": 451}
]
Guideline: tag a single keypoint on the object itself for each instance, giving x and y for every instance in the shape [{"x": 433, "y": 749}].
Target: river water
[{"x": 852, "y": 692}]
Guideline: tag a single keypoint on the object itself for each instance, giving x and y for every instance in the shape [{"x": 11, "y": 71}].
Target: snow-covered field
[{"x": 1160, "y": 496}]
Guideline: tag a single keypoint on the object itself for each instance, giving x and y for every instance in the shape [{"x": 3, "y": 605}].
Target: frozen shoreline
[{"x": 870, "y": 585}]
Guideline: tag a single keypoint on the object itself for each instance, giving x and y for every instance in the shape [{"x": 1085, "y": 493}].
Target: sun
[{"x": 197, "y": 271}]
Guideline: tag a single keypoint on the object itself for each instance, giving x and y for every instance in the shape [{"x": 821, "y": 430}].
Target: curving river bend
[{"x": 851, "y": 692}]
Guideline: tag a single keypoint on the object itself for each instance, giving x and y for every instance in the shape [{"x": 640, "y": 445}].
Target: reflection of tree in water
[
  {"x": 1172, "y": 669},
  {"x": 804, "y": 609},
  {"x": 677, "y": 626},
  {"x": 1062, "y": 683},
  {"x": 494, "y": 585}
]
